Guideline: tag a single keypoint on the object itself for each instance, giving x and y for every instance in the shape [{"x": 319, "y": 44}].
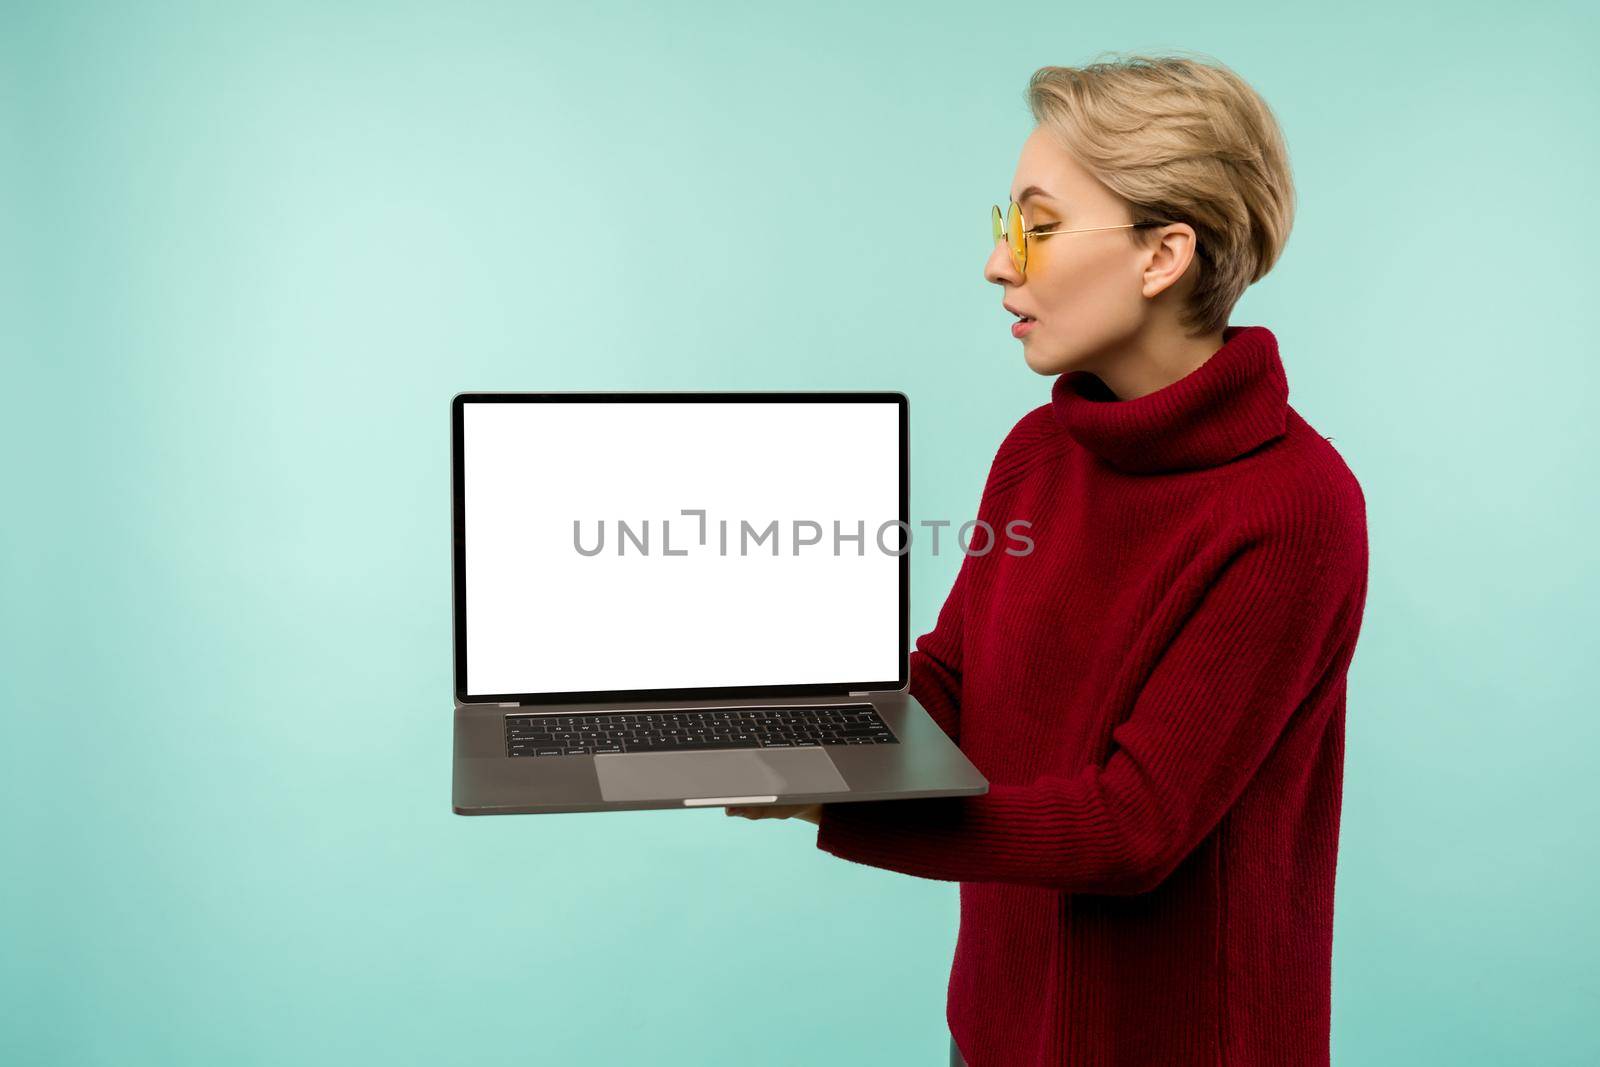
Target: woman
[{"x": 1156, "y": 692}]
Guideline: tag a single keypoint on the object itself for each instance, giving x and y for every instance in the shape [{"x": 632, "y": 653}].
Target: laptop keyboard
[{"x": 788, "y": 726}]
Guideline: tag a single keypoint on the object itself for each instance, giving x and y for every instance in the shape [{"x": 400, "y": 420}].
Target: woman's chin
[
  {"x": 1052, "y": 361},
  {"x": 1040, "y": 360}
]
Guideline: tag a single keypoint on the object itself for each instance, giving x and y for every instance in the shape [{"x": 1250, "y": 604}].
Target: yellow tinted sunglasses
[{"x": 1011, "y": 225}]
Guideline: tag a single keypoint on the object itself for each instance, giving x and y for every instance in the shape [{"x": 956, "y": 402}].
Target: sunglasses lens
[
  {"x": 997, "y": 222},
  {"x": 1019, "y": 242}
]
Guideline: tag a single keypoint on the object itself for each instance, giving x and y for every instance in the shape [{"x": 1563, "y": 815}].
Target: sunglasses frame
[{"x": 1020, "y": 259}]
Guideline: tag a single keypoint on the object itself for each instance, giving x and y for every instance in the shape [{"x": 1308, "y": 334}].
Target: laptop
[{"x": 685, "y": 600}]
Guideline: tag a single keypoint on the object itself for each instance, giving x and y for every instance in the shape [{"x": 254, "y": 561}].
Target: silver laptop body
[{"x": 618, "y": 642}]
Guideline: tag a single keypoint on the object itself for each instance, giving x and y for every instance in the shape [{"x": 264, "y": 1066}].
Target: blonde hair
[{"x": 1182, "y": 141}]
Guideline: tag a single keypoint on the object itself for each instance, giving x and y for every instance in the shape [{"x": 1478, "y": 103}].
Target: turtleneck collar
[{"x": 1235, "y": 401}]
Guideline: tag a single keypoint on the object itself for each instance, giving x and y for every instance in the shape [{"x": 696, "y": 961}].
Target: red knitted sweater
[{"x": 1156, "y": 694}]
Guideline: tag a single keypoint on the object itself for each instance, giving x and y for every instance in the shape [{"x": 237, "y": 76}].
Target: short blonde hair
[{"x": 1182, "y": 141}]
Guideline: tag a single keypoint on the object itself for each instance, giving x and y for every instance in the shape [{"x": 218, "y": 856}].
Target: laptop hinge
[
  {"x": 509, "y": 704},
  {"x": 863, "y": 693}
]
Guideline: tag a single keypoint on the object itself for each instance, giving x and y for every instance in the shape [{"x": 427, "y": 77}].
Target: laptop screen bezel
[{"x": 459, "y": 548}]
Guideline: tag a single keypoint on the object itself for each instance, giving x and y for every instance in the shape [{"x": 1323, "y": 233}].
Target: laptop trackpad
[{"x": 716, "y": 773}]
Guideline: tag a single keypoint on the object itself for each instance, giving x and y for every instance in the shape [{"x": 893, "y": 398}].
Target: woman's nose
[{"x": 1001, "y": 268}]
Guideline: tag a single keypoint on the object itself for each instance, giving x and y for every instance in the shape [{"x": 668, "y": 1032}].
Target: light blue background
[{"x": 249, "y": 254}]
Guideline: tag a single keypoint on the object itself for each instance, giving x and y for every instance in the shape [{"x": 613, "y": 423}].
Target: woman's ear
[{"x": 1169, "y": 258}]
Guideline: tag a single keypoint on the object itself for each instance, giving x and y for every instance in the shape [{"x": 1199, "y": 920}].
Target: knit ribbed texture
[{"x": 1156, "y": 694}]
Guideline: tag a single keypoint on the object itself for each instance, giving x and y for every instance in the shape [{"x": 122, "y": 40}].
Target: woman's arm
[
  {"x": 935, "y": 664},
  {"x": 1277, "y": 622}
]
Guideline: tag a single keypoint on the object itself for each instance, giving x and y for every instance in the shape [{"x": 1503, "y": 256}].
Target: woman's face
[{"x": 1087, "y": 291}]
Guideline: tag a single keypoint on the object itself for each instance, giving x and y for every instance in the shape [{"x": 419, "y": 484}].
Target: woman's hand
[{"x": 811, "y": 813}]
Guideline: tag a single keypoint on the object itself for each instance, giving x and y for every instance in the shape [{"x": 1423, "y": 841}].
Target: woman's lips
[{"x": 1021, "y": 327}]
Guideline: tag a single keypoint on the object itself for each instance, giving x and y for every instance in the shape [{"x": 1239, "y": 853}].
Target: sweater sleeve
[
  {"x": 1266, "y": 627},
  {"x": 935, "y": 664}
]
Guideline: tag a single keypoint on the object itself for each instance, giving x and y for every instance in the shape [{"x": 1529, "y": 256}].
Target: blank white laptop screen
[{"x": 644, "y": 545}]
